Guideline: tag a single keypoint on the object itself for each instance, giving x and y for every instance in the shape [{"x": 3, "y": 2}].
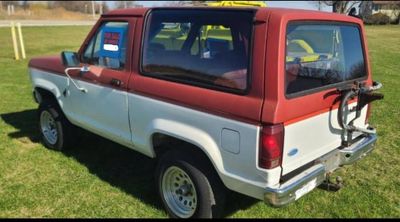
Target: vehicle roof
[{"x": 140, "y": 12}]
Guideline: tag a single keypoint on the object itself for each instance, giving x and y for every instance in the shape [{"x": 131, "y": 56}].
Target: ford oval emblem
[{"x": 293, "y": 152}]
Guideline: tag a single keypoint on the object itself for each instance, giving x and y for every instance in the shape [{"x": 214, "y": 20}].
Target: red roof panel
[{"x": 277, "y": 11}]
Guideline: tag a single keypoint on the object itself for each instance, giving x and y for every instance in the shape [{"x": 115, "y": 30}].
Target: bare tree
[
  {"x": 25, "y": 4},
  {"x": 185, "y": 3},
  {"x": 5, "y": 3},
  {"x": 342, "y": 7},
  {"x": 395, "y": 7},
  {"x": 174, "y": 3},
  {"x": 198, "y": 3},
  {"x": 105, "y": 7},
  {"x": 77, "y": 6},
  {"x": 317, "y": 4}
]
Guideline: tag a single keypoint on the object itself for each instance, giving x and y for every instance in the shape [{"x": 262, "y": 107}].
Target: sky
[{"x": 282, "y": 4}]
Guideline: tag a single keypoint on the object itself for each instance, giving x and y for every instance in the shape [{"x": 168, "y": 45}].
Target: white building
[{"x": 389, "y": 8}]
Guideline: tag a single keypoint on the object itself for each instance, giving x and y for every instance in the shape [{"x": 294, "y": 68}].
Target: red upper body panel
[
  {"x": 47, "y": 63},
  {"x": 265, "y": 103},
  {"x": 128, "y": 12}
]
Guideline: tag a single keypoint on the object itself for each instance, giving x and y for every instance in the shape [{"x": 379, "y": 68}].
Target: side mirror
[
  {"x": 71, "y": 62},
  {"x": 70, "y": 59}
]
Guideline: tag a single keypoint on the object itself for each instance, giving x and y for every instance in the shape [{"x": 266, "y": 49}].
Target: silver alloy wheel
[
  {"x": 48, "y": 127},
  {"x": 179, "y": 192}
]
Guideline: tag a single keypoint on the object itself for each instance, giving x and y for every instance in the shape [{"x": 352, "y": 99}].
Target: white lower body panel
[
  {"x": 314, "y": 137},
  {"x": 131, "y": 120}
]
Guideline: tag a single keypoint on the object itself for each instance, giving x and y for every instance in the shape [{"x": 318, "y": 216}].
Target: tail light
[
  {"x": 368, "y": 113},
  {"x": 271, "y": 146}
]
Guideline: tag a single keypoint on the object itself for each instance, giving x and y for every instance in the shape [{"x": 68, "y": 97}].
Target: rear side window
[
  {"x": 323, "y": 54},
  {"x": 199, "y": 47}
]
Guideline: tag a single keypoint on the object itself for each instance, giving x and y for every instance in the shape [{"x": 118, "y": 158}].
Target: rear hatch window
[{"x": 322, "y": 55}]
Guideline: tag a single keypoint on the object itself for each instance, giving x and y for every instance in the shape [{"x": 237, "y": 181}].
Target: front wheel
[
  {"x": 187, "y": 188},
  {"x": 55, "y": 129}
]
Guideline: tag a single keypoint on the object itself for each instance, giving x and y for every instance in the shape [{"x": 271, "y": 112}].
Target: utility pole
[
  {"x": 101, "y": 9},
  {"x": 125, "y": 4},
  {"x": 319, "y": 5},
  {"x": 93, "y": 12}
]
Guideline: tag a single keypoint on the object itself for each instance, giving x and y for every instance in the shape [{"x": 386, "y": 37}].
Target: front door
[{"x": 103, "y": 109}]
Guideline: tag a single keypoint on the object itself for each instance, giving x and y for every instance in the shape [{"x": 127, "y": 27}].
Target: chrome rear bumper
[
  {"x": 314, "y": 176},
  {"x": 351, "y": 154}
]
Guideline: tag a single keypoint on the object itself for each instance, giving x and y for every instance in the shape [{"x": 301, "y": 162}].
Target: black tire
[
  {"x": 209, "y": 189},
  {"x": 62, "y": 126}
]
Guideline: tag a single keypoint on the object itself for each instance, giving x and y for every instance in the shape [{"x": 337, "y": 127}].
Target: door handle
[{"x": 115, "y": 82}]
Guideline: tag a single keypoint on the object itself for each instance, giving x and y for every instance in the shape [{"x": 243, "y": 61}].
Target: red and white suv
[{"x": 262, "y": 101}]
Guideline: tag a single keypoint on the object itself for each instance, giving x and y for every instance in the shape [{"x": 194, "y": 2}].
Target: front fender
[{"x": 43, "y": 82}]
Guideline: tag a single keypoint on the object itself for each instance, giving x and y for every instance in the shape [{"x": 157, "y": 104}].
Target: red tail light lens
[
  {"x": 271, "y": 146},
  {"x": 368, "y": 113}
]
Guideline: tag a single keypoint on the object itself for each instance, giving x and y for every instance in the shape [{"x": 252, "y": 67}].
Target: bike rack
[{"x": 365, "y": 95}]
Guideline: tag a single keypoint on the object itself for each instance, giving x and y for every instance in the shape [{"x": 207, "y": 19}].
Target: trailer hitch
[
  {"x": 365, "y": 95},
  {"x": 330, "y": 185}
]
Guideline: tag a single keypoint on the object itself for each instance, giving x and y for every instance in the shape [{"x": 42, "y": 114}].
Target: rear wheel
[
  {"x": 187, "y": 188},
  {"x": 179, "y": 192},
  {"x": 55, "y": 129}
]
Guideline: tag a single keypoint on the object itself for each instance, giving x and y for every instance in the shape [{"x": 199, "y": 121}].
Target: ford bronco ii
[{"x": 262, "y": 101}]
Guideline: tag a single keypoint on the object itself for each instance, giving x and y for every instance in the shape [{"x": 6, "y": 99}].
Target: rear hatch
[{"x": 320, "y": 57}]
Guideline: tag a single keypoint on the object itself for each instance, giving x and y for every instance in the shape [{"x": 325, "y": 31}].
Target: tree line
[{"x": 75, "y": 6}]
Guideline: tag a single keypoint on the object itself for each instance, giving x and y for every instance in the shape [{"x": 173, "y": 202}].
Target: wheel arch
[
  {"x": 48, "y": 89},
  {"x": 168, "y": 135},
  {"x": 41, "y": 94}
]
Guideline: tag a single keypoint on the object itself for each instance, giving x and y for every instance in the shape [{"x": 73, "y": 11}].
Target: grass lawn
[{"x": 98, "y": 178}]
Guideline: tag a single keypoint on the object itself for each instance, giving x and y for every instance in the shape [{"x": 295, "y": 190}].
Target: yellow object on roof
[
  {"x": 302, "y": 44},
  {"x": 238, "y": 3},
  {"x": 306, "y": 58}
]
